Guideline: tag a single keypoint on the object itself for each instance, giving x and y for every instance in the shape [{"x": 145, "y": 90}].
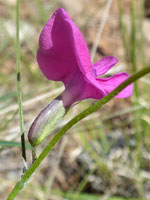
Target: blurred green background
[{"x": 107, "y": 155}]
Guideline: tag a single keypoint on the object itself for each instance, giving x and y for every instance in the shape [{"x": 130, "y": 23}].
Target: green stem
[
  {"x": 28, "y": 174},
  {"x": 34, "y": 153},
  {"x": 19, "y": 85}
]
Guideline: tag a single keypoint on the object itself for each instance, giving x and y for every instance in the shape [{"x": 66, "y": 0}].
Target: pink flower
[{"x": 63, "y": 56}]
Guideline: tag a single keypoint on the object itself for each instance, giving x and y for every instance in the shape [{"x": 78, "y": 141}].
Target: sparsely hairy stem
[
  {"x": 23, "y": 147},
  {"x": 28, "y": 174}
]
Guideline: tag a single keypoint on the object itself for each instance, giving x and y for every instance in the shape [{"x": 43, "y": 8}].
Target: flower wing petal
[
  {"x": 103, "y": 65},
  {"x": 109, "y": 84}
]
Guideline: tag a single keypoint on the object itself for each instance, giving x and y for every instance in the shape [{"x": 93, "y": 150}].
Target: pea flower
[{"x": 63, "y": 56}]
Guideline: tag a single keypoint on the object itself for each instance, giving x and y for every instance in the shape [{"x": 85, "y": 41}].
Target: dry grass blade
[{"x": 101, "y": 28}]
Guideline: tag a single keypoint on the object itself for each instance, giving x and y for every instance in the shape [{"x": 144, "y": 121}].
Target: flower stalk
[{"x": 28, "y": 174}]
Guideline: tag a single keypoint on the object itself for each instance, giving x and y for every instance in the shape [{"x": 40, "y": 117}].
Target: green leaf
[
  {"x": 12, "y": 144},
  {"x": 8, "y": 96}
]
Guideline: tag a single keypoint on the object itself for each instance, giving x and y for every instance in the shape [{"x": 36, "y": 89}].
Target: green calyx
[{"x": 46, "y": 121}]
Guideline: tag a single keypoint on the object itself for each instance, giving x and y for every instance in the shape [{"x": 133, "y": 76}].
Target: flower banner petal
[
  {"x": 81, "y": 50},
  {"x": 62, "y": 49},
  {"x": 56, "y": 56}
]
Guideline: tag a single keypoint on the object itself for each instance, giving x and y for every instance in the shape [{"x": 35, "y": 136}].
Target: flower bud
[{"x": 46, "y": 121}]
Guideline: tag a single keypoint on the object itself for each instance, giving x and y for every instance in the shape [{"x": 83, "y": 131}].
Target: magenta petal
[
  {"x": 56, "y": 56},
  {"x": 103, "y": 65},
  {"x": 79, "y": 89},
  {"x": 109, "y": 84},
  {"x": 62, "y": 49},
  {"x": 81, "y": 50}
]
